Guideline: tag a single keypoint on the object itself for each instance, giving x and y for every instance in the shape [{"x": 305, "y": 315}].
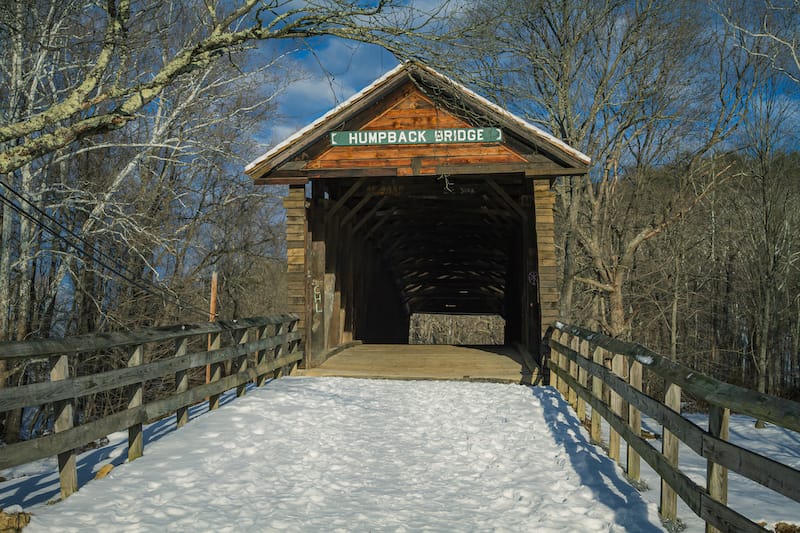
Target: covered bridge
[{"x": 417, "y": 195}]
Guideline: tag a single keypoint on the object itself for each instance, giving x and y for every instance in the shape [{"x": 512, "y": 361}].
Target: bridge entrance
[{"x": 418, "y": 196}]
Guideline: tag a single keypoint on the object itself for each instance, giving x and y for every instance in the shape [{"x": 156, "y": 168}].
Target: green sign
[{"x": 438, "y": 136}]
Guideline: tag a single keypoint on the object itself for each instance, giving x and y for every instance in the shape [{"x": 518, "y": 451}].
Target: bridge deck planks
[{"x": 395, "y": 361}]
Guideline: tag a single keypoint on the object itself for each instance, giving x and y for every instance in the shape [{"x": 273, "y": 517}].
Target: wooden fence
[
  {"x": 255, "y": 349},
  {"x": 606, "y": 373}
]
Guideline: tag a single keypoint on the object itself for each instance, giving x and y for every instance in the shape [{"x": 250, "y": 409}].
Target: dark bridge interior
[{"x": 450, "y": 245}]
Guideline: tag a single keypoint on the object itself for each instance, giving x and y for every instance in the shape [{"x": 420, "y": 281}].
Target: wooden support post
[
  {"x": 215, "y": 342},
  {"x": 63, "y": 415},
  {"x": 583, "y": 379},
  {"x": 240, "y": 364},
  {"x": 554, "y": 360},
  {"x": 617, "y": 363},
  {"x": 563, "y": 363},
  {"x": 261, "y": 355},
  {"x": 280, "y": 330},
  {"x": 716, "y": 475},
  {"x": 296, "y": 237},
  {"x": 634, "y": 421},
  {"x": 212, "y": 315},
  {"x": 291, "y": 346},
  {"x": 135, "y": 398},
  {"x": 669, "y": 448},
  {"x": 596, "y": 434},
  {"x": 544, "y": 199},
  {"x": 181, "y": 382},
  {"x": 573, "y": 373}
]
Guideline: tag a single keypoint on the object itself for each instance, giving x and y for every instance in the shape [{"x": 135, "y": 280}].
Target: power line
[
  {"x": 142, "y": 285},
  {"x": 54, "y": 220}
]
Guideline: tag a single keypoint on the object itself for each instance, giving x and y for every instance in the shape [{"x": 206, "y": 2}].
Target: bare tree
[
  {"x": 625, "y": 82},
  {"x": 769, "y": 30}
]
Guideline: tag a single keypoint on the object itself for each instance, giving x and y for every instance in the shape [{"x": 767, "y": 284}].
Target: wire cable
[{"x": 159, "y": 292}]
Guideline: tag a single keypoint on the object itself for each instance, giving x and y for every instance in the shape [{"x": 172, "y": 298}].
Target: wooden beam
[
  {"x": 282, "y": 181},
  {"x": 554, "y": 173},
  {"x": 346, "y": 196},
  {"x": 369, "y": 214},
  {"x": 499, "y": 191},
  {"x": 352, "y": 212}
]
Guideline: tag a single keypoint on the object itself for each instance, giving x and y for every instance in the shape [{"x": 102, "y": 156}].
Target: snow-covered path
[{"x": 332, "y": 454}]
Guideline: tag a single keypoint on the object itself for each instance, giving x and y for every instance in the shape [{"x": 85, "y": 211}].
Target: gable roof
[{"x": 295, "y": 144}]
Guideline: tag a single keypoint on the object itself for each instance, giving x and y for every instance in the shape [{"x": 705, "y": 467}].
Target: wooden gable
[
  {"x": 414, "y": 97},
  {"x": 414, "y": 111}
]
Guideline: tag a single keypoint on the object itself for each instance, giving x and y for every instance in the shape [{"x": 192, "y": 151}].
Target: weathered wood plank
[
  {"x": 181, "y": 382},
  {"x": 688, "y": 432},
  {"x": 63, "y": 421},
  {"x": 717, "y": 475},
  {"x": 116, "y": 339},
  {"x": 634, "y": 420},
  {"x": 597, "y": 390},
  {"x": 772, "y": 474},
  {"x": 785, "y": 413},
  {"x": 669, "y": 448},
  {"x": 135, "y": 397},
  {"x": 59, "y": 390},
  {"x": 695, "y": 497},
  {"x": 50, "y": 445}
]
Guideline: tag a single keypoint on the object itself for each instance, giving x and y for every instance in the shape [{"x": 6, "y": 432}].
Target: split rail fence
[
  {"x": 255, "y": 349},
  {"x": 606, "y": 373}
]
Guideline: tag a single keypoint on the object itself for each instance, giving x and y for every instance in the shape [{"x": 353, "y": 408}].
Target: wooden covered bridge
[
  {"x": 417, "y": 195},
  {"x": 414, "y": 196}
]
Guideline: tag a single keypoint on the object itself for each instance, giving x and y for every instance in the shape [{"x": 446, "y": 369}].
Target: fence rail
[
  {"x": 615, "y": 394},
  {"x": 259, "y": 348}
]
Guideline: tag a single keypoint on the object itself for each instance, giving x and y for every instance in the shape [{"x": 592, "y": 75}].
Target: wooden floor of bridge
[{"x": 415, "y": 361}]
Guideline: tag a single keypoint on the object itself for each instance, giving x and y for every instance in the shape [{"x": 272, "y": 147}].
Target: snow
[
  {"x": 335, "y": 454},
  {"x": 644, "y": 359},
  {"x": 308, "y": 454}
]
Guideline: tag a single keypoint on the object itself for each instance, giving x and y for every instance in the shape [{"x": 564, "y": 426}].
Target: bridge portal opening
[{"x": 418, "y": 197}]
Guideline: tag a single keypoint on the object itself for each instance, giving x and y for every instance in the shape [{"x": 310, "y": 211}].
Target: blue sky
[
  {"x": 331, "y": 70},
  {"x": 334, "y": 71}
]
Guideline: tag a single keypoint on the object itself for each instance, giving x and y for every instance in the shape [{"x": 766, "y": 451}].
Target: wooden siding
[
  {"x": 296, "y": 228},
  {"x": 544, "y": 199},
  {"x": 414, "y": 111}
]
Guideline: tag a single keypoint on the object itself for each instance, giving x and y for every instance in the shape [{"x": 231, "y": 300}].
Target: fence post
[
  {"x": 573, "y": 372},
  {"x": 261, "y": 355},
  {"x": 634, "y": 420},
  {"x": 291, "y": 346},
  {"x": 181, "y": 382},
  {"x": 669, "y": 448},
  {"x": 135, "y": 397},
  {"x": 616, "y": 407},
  {"x": 597, "y": 391},
  {"x": 564, "y": 366},
  {"x": 583, "y": 380},
  {"x": 716, "y": 475},
  {"x": 554, "y": 359},
  {"x": 214, "y": 343},
  {"x": 62, "y": 414},
  {"x": 240, "y": 364},
  {"x": 280, "y": 330}
]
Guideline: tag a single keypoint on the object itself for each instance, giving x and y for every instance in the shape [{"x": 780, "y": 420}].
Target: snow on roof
[{"x": 381, "y": 82}]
